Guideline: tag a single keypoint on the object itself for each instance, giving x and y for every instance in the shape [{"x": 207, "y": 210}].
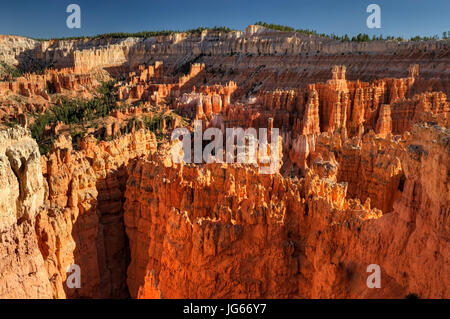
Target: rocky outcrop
[
  {"x": 82, "y": 219},
  {"x": 411, "y": 255},
  {"x": 55, "y": 81},
  {"x": 245, "y": 57},
  {"x": 16, "y": 49},
  {"x": 22, "y": 192},
  {"x": 226, "y": 232},
  {"x": 199, "y": 232},
  {"x": 32, "y": 92},
  {"x": 421, "y": 107},
  {"x": 384, "y": 122},
  {"x": 372, "y": 168},
  {"x": 64, "y": 209}
]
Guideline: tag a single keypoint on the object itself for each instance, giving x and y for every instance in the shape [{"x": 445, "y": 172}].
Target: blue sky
[{"x": 47, "y": 18}]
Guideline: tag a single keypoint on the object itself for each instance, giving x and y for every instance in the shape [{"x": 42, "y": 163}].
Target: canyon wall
[
  {"x": 62, "y": 209},
  {"x": 81, "y": 222},
  {"x": 224, "y": 231},
  {"x": 32, "y": 93},
  {"x": 254, "y": 56},
  {"x": 22, "y": 192}
]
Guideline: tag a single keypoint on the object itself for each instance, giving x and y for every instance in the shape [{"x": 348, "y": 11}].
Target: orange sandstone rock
[{"x": 221, "y": 231}]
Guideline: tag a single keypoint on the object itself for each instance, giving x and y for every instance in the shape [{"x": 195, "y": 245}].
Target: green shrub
[
  {"x": 142, "y": 34},
  {"x": 74, "y": 111},
  {"x": 361, "y": 37},
  {"x": 128, "y": 128},
  {"x": 10, "y": 70},
  {"x": 153, "y": 123}
]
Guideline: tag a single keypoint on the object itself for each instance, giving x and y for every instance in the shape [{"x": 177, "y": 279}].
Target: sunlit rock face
[
  {"x": 22, "y": 192},
  {"x": 224, "y": 231},
  {"x": 82, "y": 221}
]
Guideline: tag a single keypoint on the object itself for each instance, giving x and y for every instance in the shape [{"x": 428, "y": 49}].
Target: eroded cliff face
[
  {"x": 81, "y": 222},
  {"x": 65, "y": 209},
  {"x": 405, "y": 243},
  {"x": 32, "y": 93},
  {"x": 22, "y": 192},
  {"x": 199, "y": 232},
  {"x": 221, "y": 231},
  {"x": 278, "y": 59}
]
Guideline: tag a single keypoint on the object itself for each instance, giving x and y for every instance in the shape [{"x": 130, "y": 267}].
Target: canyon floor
[{"x": 87, "y": 176}]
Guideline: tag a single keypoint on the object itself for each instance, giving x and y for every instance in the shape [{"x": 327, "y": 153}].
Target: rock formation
[
  {"x": 227, "y": 232},
  {"x": 81, "y": 222},
  {"x": 68, "y": 212},
  {"x": 22, "y": 192},
  {"x": 362, "y": 176}
]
